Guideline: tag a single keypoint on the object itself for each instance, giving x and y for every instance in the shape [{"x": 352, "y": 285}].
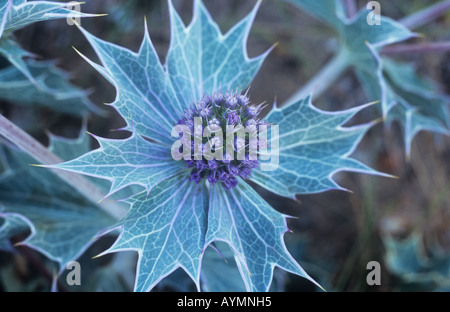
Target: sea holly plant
[
  {"x": 55, "y": 90},
  {"x": 425, "y": 267},
  {"x": 16, "y": 14},
  {"x": 199, "y": 152},
  {"x": 413, "y": 101},
  {"x": 46, "y": 205},
  {"x": 196, "y": 190},
  {"x": 30, "y": 82},
  {"x": 11, "y": 225}
]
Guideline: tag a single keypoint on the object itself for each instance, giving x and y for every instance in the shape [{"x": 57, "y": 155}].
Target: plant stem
[
  {"x": 323, "y": 79},
  {"x": 39, "y": 152},
  {"x": 417, "y": 48},
  {"x": 39, "y": 266},
  {"x": 350, "y": 8},
  {"x": 426, "y": 16}
]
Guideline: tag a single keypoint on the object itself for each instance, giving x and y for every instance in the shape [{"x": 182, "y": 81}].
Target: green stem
[
  {"x": 39, "y": 152},
  {"x": 323, "y": 79},
  {"x": 427, "y": 15},
  {"x": 350, "y": 7},
  {"x": 425, "y": 47},
  {"x": 359, "y": 254}
]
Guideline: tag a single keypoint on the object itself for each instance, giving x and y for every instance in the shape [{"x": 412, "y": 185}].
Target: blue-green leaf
[
  {"x": 18, "y": 14},
  {"x": 410, "y": 260},
  {"x": 126, "y": 162},
  {"x": 355, "y": 34},
  {"x": 62, "y": 222},
  {"x": 167, "y": 228},
  {"x": 10, "y": 224},
  {"x": 313, "y": 146},
  {"x": 201, "y": 60},
  {"x": 12, "y": 51},
  {"x": 66, "y": 148},
  {"x": 413, "y": 101},
  {"x": 49, "y": 87},
  {"x": 4, "y": 9},
  {"x": 404, "y": 96},
  {"x": 27, "y": 82},
  {"x": 221, "y": 274},
  {"x": 254, "y": 231},
  {"x": 219, "y": 271},
  {"x": 152, "y": 97},
  {"x": 145, "y": 97}
]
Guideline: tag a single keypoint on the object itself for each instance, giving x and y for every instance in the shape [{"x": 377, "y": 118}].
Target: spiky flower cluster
[{"x": 223, "y": 112}]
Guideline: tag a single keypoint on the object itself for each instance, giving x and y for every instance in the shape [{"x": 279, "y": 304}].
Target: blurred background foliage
[{"x": 402, "y": 223}]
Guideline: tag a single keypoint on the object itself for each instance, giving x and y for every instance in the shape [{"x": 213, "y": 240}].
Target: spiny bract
[{"x": 174, "y": 220}]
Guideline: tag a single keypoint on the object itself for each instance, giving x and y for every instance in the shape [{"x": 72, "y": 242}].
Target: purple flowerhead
[
  {"x": 233, "y": 117},
  {"x": 219, "y": 112}
]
